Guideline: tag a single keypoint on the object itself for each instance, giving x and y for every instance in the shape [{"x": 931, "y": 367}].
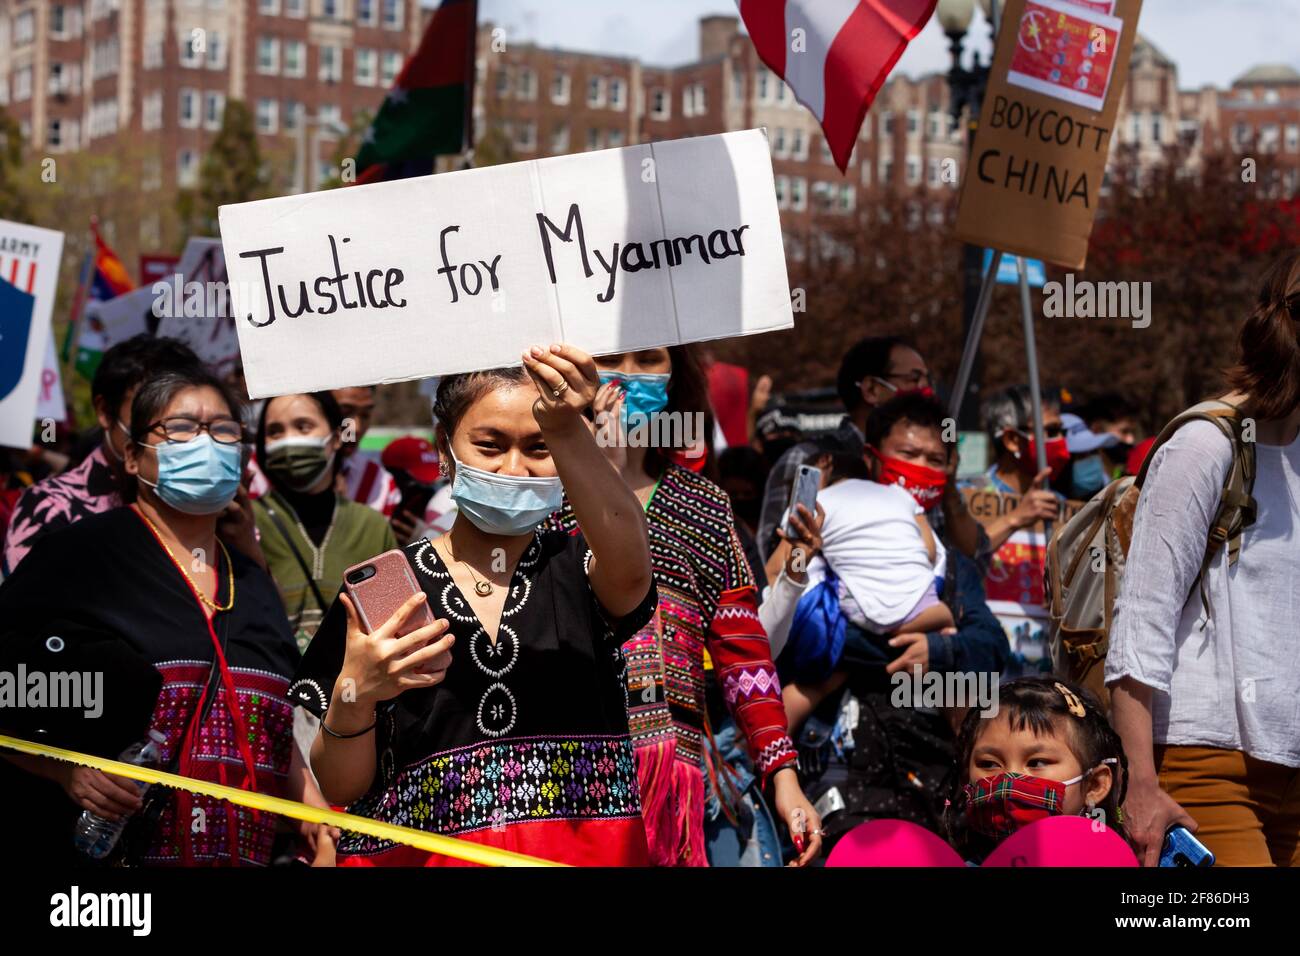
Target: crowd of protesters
[{"x": 627, "y": 655}]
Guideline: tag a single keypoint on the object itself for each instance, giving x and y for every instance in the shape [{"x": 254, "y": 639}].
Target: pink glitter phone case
[{"x": 379, "y": 596}]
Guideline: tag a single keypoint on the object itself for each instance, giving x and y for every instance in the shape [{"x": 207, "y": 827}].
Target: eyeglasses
[
  {"x": 1049, "y": 431},
  {"x": 226, "y": 431}
]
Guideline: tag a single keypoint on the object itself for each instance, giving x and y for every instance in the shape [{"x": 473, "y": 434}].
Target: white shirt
[
  {"x": 1236, "y": 682},
  {"x": 871, "y": 540}
]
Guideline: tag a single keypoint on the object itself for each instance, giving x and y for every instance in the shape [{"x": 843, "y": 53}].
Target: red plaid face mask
[{"x": 1000, "y": 805}]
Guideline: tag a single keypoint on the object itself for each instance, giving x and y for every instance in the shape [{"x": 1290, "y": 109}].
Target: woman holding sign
[
  {"x": 650, "y": 407},
  {"x": 503, "y": 722}
]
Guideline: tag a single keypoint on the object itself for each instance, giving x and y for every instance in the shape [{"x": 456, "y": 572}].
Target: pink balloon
[
  {"x": 892, "y": 843},
  {"x": 1062, "y": 841}
]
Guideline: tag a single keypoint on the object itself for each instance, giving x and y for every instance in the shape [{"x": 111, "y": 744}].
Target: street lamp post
[{"x": 966, "y": 89}]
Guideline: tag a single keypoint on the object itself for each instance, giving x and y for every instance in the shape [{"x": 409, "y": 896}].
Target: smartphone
[
  {"x": 807, "y": 482},
  {"x": 1183, "y": 849},
  {"x": 380, "y": 586}
]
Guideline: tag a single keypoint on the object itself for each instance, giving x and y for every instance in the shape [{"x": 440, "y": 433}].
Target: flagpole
[
  {"x": 78, "y": 301},
  {"x": 972, "y": 346}
]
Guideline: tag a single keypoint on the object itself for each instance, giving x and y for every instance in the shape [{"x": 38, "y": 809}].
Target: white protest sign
[
  {"x": 29, "y": 268},
  {"x": 50, "y": 403},
  {"x": 121, "y": 317},
  {"x": 615, "y": 250},
  {"x": 192, "y": 305}
]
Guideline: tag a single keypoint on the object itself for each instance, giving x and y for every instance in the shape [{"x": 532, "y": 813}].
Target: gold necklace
[
  {"x": 230, "y": 570},
  {"x": 482, "y": 586}
]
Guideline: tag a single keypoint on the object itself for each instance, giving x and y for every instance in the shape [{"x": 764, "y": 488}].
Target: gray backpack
[{"x": 1085, "y": 558}]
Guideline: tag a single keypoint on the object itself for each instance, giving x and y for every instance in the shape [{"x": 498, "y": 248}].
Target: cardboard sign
[
  {"x": 121, "y": 317},
  {"x": 1033, "y": 183},
  {"x": 615, "y": 250},
  {"x": 29, "y": 278},
  {"x": 193, "y": 305}
]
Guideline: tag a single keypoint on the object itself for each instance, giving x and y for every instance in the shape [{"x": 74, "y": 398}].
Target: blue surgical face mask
[
  {"x": 644, "y": 395},
  {"x": 503, "y": 504},
  {"x": 1088, "y": 476},
  {"x": 198, "y": 477}
]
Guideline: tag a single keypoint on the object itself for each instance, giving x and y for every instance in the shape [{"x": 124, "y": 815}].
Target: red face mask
[
  {"x": 922, "y": 482},
  {"x": 1058, "y": 455},
  {"x": 999, "y": 805}
]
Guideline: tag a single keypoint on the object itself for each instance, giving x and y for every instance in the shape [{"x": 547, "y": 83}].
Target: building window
[
  {"x": 150, "y": 173},
  {"x": 187, "y": 169},
  {"x": 527, "y": 81},
  {"x": 848, "y": 197},
  {"x": 393, "y": 14},
  {"x": 268, "y": 115},
  {"x": 187, "y": 103},
  {"x": 367, "y": 67},
  {"x": 593, "y": 138},
  {"x": 764, "y": 84},
  {"x": 54, "y": 134},
  {"x": 617, "y": 94},
  {"x": 887, "y": 123},
  {"x": 295, "y": 8},
  {"x": 913, "y": 122},
  {"x": 1268, "y": 137},
  {"x": 614, "y": 138},
  {"x": 331, "y": 63},
  {"x": 292, "y": 115},
  {"x": 1135, "y": 128},
  {"x": 22, "y": 84},
  {"x": 1157, "y": 128},
  {"x": 151, "y": 108},
  {"x": 104, "y": 58},
  {"x": 1240, "y": 134},
  {"x": 798, "y": 194},
  {"x": 216, "y": 51},
  {"x": 560, "y": 138},
  {"x": 214, "y": 105},
  {"x": 1292, "y": 137},
  {"x": 913, "y": 170},
  {"x": 503, "y": 81},
  {"x": 693, "y": 100},
  {"x": 366, "y": 13},
  {"x": 778, "y": 142},
  {"x": 65, "y": 21},
  {"x": 782, "y": 191},
  {"x": 782, "y": 92},
  {"x": 596, "y": 91},
  {"x": 525, "y": 137},
  {"x": 661, "y": 104},
  {"x": 827, "y": 156},
  {"x": 331, "y": 10},
  {"x": 390, "y": 66},
  {"x": 331, "y": 119},
  {"x": 798, "y": 144},
  {"x": 560, "y": 84},
  {"x": 932, "y": 167},
  {"x": 295, "y": 58},
  {"x": 268, "y": 55},
  {"x": 886, "y": 176},
  {"x": 24, "y": 28},
  {"x": 737, "y": 85},
  {"x": 269, "y": 8}
]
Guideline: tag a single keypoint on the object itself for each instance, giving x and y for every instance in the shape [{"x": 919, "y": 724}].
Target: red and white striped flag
[{"x": 839, "y": 61}]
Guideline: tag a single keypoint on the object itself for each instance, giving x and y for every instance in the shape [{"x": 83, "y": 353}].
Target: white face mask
[{"x": 503, "y": 504}]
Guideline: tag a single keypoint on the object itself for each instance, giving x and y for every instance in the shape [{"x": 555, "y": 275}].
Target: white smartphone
[{"x": 807, "y": 482}]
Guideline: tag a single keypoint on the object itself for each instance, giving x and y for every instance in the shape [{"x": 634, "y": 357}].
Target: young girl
[
  {"x": 504, "y": 722},
  {"x": 1049, "y": 751},
  {"x": 877, "y": 543}
]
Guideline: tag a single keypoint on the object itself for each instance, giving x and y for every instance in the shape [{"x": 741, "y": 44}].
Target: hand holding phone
[
  {"x": 1183, "y": 849},
  {"x": 803, "y": 491}
]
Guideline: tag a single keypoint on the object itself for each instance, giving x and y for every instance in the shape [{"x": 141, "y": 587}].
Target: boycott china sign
[
  {"x": 1035, "y": 172},
  {"x": 615, "y": 250}
]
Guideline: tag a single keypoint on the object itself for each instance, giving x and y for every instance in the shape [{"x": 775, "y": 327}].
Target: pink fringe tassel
[{"x": 672, "y": 805}]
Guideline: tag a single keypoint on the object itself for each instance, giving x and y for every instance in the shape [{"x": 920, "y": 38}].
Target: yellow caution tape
[{"x": 430, "y": 842}]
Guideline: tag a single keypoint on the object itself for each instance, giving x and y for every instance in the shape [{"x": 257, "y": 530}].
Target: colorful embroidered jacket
[
  {"x": 707, "y": 602},
  {"x": 524, "y": 746}
]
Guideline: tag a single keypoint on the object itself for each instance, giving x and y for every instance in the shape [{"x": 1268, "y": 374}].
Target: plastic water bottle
[{"x": 95, "y": 836}]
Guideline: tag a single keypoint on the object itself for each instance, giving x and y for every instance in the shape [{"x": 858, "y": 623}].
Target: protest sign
[
  {"x": 155, "y": 267},
  {"x": 192, "y": 305},
  {"x": 50, "y": 403},
  {"x": 1014, "y": 583},
  {"x": 1035, "y": 172},
  {"x": 121, "y": 317},
  {"x": 614, "y": 250},
  {"x": 29, "y": 277}
]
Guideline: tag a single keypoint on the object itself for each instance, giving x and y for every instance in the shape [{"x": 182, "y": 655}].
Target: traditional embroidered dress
[
  {"x": 110, "y": 573},
  {"x": 524, "y": 745},
  {"x": 707, "y": 602}
]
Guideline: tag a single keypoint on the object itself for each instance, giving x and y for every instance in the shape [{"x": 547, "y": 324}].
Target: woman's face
[
  {"x": 296, "y": 416},
  {"x": 644, "y": 362},
  {"x": 1004, "y": 749},
  {"x": 498, "y": 433},
  {"x": 201, "y": 403}
]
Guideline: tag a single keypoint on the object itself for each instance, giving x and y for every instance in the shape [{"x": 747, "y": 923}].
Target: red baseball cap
[{"x": 413, "y": 455}]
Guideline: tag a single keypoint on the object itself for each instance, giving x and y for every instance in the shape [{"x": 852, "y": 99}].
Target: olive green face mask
[{"x": 298, "y": 463}]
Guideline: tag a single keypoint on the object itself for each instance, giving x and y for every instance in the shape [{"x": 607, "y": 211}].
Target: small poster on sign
[{"x": 1065, "y": 51}]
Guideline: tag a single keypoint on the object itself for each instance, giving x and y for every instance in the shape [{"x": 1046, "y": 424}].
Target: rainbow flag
[{"x": 109, "y": 279}]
